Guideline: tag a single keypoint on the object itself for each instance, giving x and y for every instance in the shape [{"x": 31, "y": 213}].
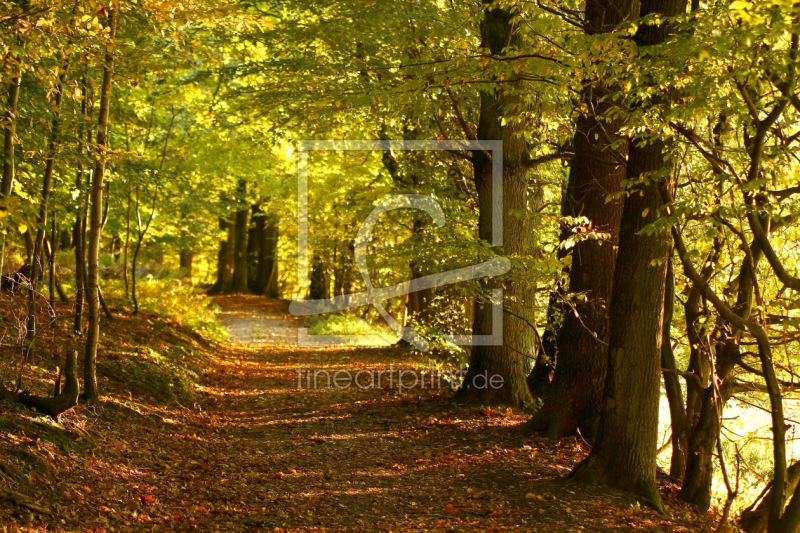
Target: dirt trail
[{"x": 258, "y": 453}]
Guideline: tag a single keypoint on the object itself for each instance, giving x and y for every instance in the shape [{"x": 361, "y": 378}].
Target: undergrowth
[
  {"x": 175, "y": 300},
  {"x": 340, "y": 325}
]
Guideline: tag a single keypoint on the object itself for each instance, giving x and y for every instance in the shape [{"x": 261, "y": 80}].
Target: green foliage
[
  {"x": 177, "y": 301},
  {"x": 338, "y": 324}
]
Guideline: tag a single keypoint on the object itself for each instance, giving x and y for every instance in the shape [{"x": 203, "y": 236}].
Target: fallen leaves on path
[{"x": 249, "y": 450}]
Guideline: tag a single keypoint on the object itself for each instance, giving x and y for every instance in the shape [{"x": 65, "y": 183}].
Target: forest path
[{"x": 257, "y": 452}]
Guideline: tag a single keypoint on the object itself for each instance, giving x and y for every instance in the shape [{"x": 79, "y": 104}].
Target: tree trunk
[
  {"x": 127, "y": 238},
  {"x": 224, "y": 259},
  {"x": 10, "y": 120},
  {"x": 755, "y": 520},
  {"x": 38, "y": 262},
  {"x": 343, "y": 273},
  {"x": 140, "y": 238},
  {"x": 574, "y": 400},
  {"x": 672, "y": 384},
  {"x": 707, "y": 406},
  {"x": 540, "y": 378},
  {"x": 405, "y": 176},
  {"x": 255, "y": 240},
  {"x": 624, "y": 454},
  {"x": 52, "y": 253},
  {"x": 80, "y": 260},
  {"x": 504, "y": 365},
  {"x": 186, "y": 262},
  {"x": 62, "y": 401},
  {"x": 267, "y": 278},
  {"x": 79, "y": 229},
  {"x": 320, "y": 280},
  {"x": 65, "y": 238},
  {"x": 239, "y": 283},
  {"x": 92, "y": 288}
]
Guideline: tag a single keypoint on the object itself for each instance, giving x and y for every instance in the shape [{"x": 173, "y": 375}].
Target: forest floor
[{"x": 247, "y": 449}]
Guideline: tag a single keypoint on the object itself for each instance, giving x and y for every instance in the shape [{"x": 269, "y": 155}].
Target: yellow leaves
[
  {"x": 22, "y": 228},
  {"x": 645, "y": 211},
  {"x": 739, "y": 5}
]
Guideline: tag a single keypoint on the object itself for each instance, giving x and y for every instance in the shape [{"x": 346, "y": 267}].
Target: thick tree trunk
[
  {"x": 573, "y": 402},
  {"x": 624, "y": 454},
  {"x": 540, "y": 378},
  {"x": 224, "y": 259},
  {"x": 239, "y": 283},
  {"x": 504, "y": 364},
  {"x": 92, "y": 288}
]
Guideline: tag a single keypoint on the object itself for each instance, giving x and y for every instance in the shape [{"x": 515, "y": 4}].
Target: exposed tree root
[{"x": 65, "y": 400}]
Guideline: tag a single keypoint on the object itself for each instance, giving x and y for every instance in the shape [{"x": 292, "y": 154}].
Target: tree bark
[
  {"x": 267, "y": 266},
  {"x": 319, "y": 280},
  {"x": 79, "y": 229},
  {"x": 255, "y": 238},
  {"x": 416, "y": 303},
  {"x": 92, "y": 288},
  {"x": 66, "y": 399},
  {"x": 140, "y": 239},
  {"x": 224, "y": 259},
  {"x": 672, "y": 384},
  {"x": 505, "y": 362},
  {"x": 624, "y": 454},
  {"x": 63, "y": 400},
  {"x": 127, "y": 236},
  {"x": 709, "y": 400},
  {"x": 343, "y": 270},
  {"x": 38, "y": 262},
  {"x": 755, "y": 520},
  {"x": 239, "y": 283},
  {"x": 10, "y": 119},
  {"x": 574, "y": 400}
]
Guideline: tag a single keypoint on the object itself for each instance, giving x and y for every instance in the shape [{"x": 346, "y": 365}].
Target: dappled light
[{"x": 400, "y": 265}]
